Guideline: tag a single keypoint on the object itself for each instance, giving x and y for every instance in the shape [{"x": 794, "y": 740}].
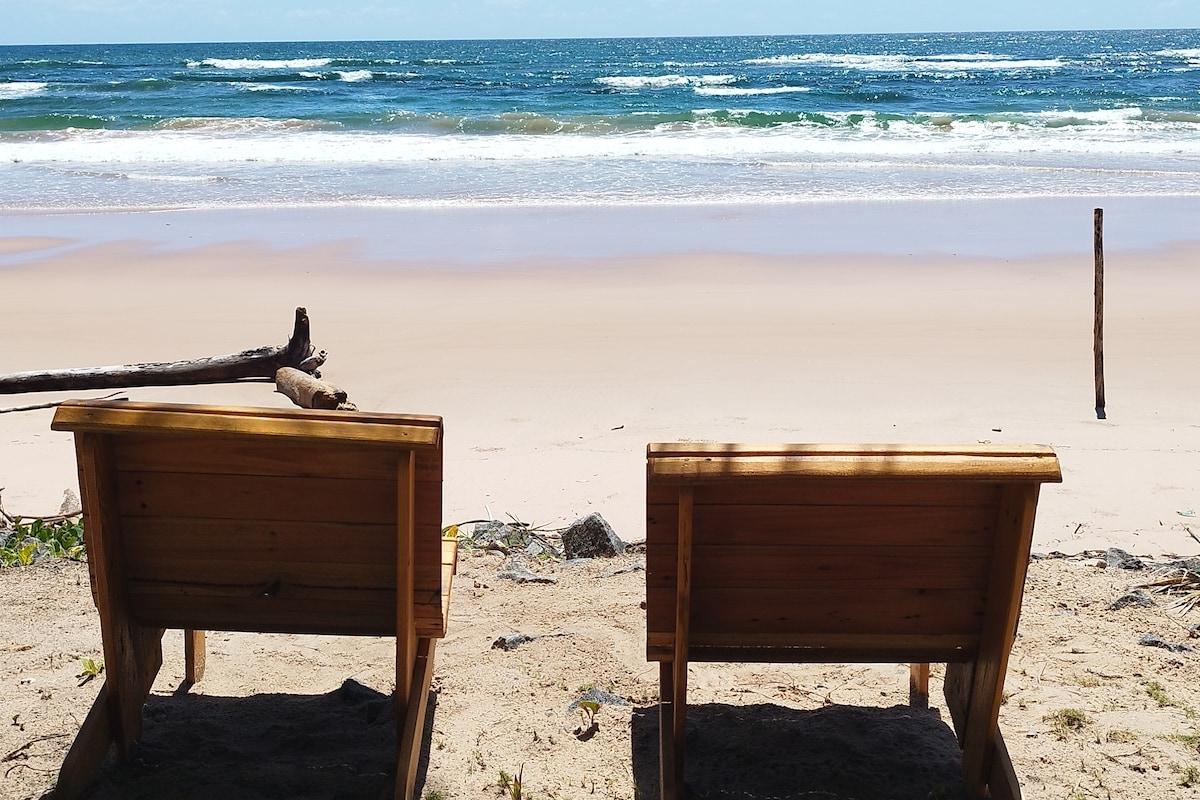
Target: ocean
[{"x": 600, "y": 122}]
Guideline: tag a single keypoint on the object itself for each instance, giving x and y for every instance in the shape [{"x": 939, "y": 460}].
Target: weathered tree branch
[
  {"x": 307, "y": 392},
  {"x": 261, "y": 363},
  {"x": 39, "y": 406},
  {"x": 67, "y": 511}
]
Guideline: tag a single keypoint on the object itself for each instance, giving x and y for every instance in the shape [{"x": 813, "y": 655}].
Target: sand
[{"x": 552, "y": 375}]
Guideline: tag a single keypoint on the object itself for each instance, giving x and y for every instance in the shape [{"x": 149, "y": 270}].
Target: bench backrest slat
[
  {"x": 824, "y": 552},
  {"x": 267, "y": 520}
]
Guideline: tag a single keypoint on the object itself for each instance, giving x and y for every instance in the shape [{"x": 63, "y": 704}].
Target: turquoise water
[{"x": 735, "y": 120}]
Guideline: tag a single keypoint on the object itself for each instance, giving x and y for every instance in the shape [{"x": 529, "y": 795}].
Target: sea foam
[
  {"x": 663, "y": 81},
  {"x": 737, "y": 91},
  {"x": 256, "y": 63},
  {"x": 603, "y": 121},
  {"x": 979, "y": 62},
  {"x": 19, "y": 90}
]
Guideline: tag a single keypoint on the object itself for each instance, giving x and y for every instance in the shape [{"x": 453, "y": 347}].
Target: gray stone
[
  {"x": 1151, "y": 640},
  {"x": 1116, "y": 557},
  {"x": 598, "y": 696},
  {"x": 515, "y": 572},
  {"x": 1186, "y": 564},
  {"x": 512, "y": 641},
  {"x": 590, "y": 537},
  {"x": 1136, "y": 598},
  {"x": 623, "y": 570},
  {"x": 497, "y": 536},
  {"x": 539, "y": 548}
]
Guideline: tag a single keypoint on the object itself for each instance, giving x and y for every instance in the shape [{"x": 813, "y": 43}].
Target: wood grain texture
[
  {"x": 744, "y": 524},
  {"x": 1006, "y": 584},
  {"x": 682, "y": 631},
  {"x": 202, "y": 453},
  {"x": 855, "y": 553},
  {"x": 411, "y": 723},
  {"x": 292, "y": 521},
  {"x": 918, "y": 685},
  {"x": 382, "y": 430},
  {"x": 833, "y": 491},
  {"x": 132, "y": 652},
  {"x": 195, "y": 656},
  {"x": 88, "y": 751},
  {"x": 853, "y": 609},
  {"x": 770, "y": 565},
  {"x": 670, "y": 761},
  {"x": 818, "y": 647},
  {"x": 403, "y": 566},
  {"x": 717, "y": 462}
]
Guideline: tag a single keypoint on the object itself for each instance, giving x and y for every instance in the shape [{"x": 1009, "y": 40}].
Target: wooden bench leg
[
  {"x": 918, "y": 685},
  {"x": 1003, "y": 782},
  {"x": 116, "y": 715},
  {"x": 194, "y": 656},
  {"x": 412, "y": 726},
  {"x": 132, "y": 652},
  {"x": 129, "y": 685},
  {"x": 88, "y": 751},
  {"x": 957, "y": 688},
  {"x": 673, "y": 674},
  {"x": 999, "y": 777},
  {"x": 672, "y": 730}
]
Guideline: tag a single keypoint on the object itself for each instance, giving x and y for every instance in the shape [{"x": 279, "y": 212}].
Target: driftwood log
[
  {"x": 261, "y": 363},
  {"x": 307, "y": 391}
]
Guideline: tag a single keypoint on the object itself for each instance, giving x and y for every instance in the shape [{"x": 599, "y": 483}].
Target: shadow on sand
[
  {"x": 263, "y": 747},
  {"x": 768, "y": 751}
]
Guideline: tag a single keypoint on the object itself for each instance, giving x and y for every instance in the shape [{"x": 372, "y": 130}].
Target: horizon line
[{"x": 590, "y": 38}]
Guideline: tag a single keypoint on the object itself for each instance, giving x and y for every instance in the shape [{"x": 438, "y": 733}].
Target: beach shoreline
[
  {"x": 554, "y": 373},
  {"x": 506, "y": 235}
]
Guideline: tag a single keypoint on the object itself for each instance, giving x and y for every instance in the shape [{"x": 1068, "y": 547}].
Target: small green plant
[
  {"x": 28, "y": 543},
  {"x": 89, "y": 668},
  {"x": 1121, "y": 736},
  {"x": 1158, "y": 694},
  {"x": 1066, "y": 720},
  {"x": 1190, "y": 776},
  {"x": 434, "y": 795},
  {"x": 512, "y": 784},
  {"x": 587, "y": 712},
  {"x": 1191, "y": 740}
]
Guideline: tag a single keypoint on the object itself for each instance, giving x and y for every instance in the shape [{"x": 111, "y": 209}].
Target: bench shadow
[
  {"x": 264, "y": 747},
  {"x": 756, "y": 752}
]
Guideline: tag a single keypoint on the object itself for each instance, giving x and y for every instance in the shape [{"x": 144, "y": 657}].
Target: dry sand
[{"x": 552, "y": 377}]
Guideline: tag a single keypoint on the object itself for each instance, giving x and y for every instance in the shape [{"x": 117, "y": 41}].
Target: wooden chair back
[
  {"x": 829, "y": 553},
  {"x": 244, "y": 519}
]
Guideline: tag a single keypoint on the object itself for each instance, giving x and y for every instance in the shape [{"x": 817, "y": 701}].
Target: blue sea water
[{"x": 607, "y": 122}]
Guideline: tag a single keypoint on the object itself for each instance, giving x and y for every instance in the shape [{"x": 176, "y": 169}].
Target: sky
[{"x": 105, "y": 21}]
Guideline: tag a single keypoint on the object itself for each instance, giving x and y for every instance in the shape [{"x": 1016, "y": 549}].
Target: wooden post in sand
[{"x": 1098, "y": 343}]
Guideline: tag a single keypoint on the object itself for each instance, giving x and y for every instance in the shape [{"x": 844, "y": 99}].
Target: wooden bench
[
  {"x": 246, "y": 519},
  {"x": 855, "y": 553}
]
